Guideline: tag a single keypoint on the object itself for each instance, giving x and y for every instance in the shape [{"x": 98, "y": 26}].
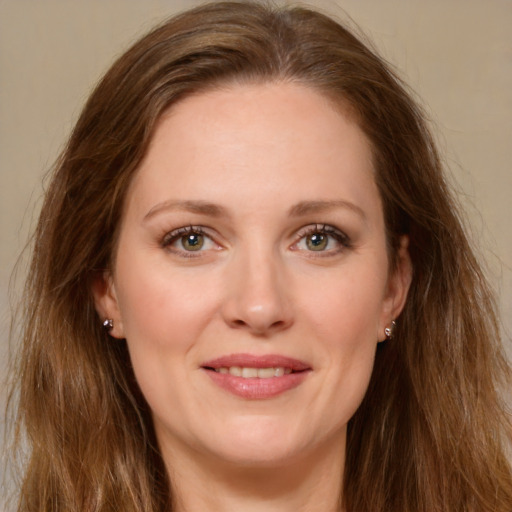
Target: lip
[
  {"x": 254, "y": 361},
  {"x": 256, "y": 388}
]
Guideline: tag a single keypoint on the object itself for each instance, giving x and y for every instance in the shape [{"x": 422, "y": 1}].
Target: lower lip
[{"x": 255, "y": 388}]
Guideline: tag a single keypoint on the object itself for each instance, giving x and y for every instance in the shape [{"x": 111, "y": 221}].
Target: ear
[
  {"x": 398, "y": 285},
  {"x": 105, "y": 301}
]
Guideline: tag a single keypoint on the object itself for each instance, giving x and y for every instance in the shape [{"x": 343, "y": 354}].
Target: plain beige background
[{"x": 456, "y": 54}]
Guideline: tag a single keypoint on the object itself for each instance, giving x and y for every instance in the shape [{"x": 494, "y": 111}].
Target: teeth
[
  {"x": 235, "y": 370},
  {"x": 266, "y": 373},
  {"x": 249, "y": 373},
  {"x": 254, "y": 373}
]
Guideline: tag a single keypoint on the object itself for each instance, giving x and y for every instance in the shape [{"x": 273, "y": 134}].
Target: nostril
[
  {"x": 257, "y": 327},
  {"x": 261, "y": 317}
]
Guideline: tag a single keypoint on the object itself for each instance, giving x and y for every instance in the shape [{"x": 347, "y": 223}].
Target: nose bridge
[{"x": 258, "y": 299}]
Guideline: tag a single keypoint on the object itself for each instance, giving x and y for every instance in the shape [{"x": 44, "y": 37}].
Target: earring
[
  {"x": 390, "y": 330},
  {"x": 108, "y": 324}
]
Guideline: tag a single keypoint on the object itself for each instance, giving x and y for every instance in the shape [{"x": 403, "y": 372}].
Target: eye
[
  {"x": 321, "y": 238},
  {"x": 192, "y": 241},
  {"x": 188, "y": 239},
  {"x": 317, "y": 241}
]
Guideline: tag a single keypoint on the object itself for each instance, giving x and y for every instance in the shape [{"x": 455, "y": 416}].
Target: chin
[
  {"x": 259, "y": 442},
  {"x": 258, "y": 456}
]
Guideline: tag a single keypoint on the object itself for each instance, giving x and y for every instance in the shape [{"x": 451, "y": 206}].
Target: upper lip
[{"x": 257, "y": 361}]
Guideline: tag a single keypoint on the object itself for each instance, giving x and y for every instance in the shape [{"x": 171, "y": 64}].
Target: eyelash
[
  {"x": 322, "y": 229},
  {"x": 174, "y": 236}
]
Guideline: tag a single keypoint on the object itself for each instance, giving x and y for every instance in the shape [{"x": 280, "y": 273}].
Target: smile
[
  {"x": 254, "y": 377},
  {"x": 254, "y": 373}
]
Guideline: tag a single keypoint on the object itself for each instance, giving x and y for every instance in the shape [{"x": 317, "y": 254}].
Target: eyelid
[
  {"x": 170, "y": 237},
  {"x": 341, "y": 238},
  {"x": 321, "y": 228}
]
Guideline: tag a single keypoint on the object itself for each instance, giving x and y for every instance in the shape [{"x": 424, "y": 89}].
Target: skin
[{"x": 278, "y": 161}]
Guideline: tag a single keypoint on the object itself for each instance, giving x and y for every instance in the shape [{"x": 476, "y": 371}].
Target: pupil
[
  {"x": 317, "y": 241},
  {"x": 193, "y": 242}
]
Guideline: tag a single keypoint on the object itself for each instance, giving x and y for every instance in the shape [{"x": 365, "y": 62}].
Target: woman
[{"x": 250, "y": 289}]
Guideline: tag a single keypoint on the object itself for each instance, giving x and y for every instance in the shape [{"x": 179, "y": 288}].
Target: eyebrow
[
  {"x": 200, "y": 207},
  {"x": 214, "y": 210},
  {"x": 309, "y": 207}
]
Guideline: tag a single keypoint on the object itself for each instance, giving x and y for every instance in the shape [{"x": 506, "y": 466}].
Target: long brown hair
[{"x": 432, "y": 432}]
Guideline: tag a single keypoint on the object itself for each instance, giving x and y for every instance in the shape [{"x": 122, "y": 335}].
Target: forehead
[{"x": 256, "y": 141}]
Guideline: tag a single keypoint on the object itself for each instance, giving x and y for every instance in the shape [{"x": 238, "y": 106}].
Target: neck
[{"x": 310, "y": 483}]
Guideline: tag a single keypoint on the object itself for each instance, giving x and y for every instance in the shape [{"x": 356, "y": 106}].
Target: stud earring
[
  {"x": 390, "y": 330},
  {"x": 108, "y": 324}
]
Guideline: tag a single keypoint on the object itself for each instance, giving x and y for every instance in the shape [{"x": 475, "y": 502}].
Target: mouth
[
  {"x": 256, "y": 377},
  {"x": 248, "y": 372}
]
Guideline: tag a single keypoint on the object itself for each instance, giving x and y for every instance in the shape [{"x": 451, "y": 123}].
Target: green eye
[
  {"x": 192, "y": 242},
  {"x": 317, "y": 241},
  {"x": 323, "y": 239}
]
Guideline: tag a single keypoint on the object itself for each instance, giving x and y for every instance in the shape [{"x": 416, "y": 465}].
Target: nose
[{"x": 258, "y": 299}]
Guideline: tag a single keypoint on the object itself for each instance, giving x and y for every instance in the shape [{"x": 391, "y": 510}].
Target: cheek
[
  {"x": 345, "y": 319},
  {"x": 347, "y": 307},
  {"x": 164, "y": 313},
  {"x": 157, "y": 303}
]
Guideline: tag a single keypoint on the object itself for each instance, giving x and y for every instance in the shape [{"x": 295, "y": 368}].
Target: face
[{"x": 252, "y": 280}]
